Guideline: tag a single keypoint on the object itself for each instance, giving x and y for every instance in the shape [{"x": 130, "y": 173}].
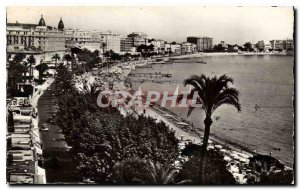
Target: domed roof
[
  {"x": 42, "y": 21},
  {"x": 61, "y": 24}
]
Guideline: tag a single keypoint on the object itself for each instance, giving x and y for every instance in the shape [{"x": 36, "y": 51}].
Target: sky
[{"x": 227, "y": 23}]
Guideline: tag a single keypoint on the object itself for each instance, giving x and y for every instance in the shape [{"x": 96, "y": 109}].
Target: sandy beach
[{"x": 236, "y": 156}]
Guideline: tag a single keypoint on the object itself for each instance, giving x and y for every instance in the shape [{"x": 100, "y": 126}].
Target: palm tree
[
  {"x": 139, "y": 171},
  {"x": 159, "y": 174},
  {"x": 68, "y": 58},
  {"x": 212, "y": 93},
  {"x": 15, "y": 72},
  {"x": 31, "y": 61},
  {"x": 26, "y": 68},
  {"x": 42, "y": 67},
  {"x": 56, "y": 57}
]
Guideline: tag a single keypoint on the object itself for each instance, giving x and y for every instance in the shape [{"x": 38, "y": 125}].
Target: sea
[{"x": 263, "y": 80}]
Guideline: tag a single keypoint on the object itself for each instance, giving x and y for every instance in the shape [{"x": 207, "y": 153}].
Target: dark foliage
[
  {"x": 41, "y": 68},
  {"x": 215, "y": 167},
  {"x": 102, "y": 137},
  {"x": 266, "y": 170}
]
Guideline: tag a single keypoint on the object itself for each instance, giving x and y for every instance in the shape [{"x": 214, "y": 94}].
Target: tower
[
  {"x": 42, "y": 21},
  {"x": 61, "y": 25}
]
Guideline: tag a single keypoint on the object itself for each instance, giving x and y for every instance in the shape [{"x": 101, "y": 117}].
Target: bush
[
  {"x": 215, "y": 167},
  {"x": 127, "y": 171},
  {"x": 267, "y": 170}
]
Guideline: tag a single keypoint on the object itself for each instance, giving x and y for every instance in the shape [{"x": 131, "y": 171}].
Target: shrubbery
[
  {"x": 101, "y": 138},
  {"x": 266, "y": 170},
  {"x": 215, "y": 167}
]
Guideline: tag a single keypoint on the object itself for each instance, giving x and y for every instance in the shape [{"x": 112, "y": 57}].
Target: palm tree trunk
[
  {"x": 30, "y": 72},
  {"x": 207, "y": 122},
  {"x": 24, "y": 78},
  {"x": 40, "y": 77}
]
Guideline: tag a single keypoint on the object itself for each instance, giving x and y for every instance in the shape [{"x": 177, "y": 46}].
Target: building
[
  {"x": 282, "y": 44},
  {"x": 288, "y": 44},
  {"x": 109, "y": 41},
  {"x": 126, "y": 45},
  {"x": 187, "y": 48},
  {"x": 38, "y": 39},
  {"x": 82, "y": 39},
  {"x": 132, "y": 41},
  {"x": 202, "y": 43},
  {"x": 24, "y": 149},
  {"x": 276, "y": 44},
  {"x": 139, "y": 38},
  {"x": 224, "y": 45},
  {"x": 175, "y": 48},
  {"x": 158, "y": 45},
  {"x": 263, "y": 45}
]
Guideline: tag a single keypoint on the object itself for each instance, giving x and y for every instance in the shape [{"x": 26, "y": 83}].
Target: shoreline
[
  {"x": 215, "y": 137},
  {"x": 236, "y": 155},
  {"x": 196, "y": 55},
  {"x": 237, "y": 159}
]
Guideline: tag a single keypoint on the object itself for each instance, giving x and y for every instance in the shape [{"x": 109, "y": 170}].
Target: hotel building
[
  {"x": 82, "y": 39},
  {"x": 202, "y": 43},
  {"x": 38, "y": 39},
  {"x": 139, "y": 38},
  {"x": 126, "y": 45},
  {"x": 109, "y": 41}
]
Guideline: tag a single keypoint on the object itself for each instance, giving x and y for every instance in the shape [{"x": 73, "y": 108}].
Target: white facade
[
  {"x": 82, "y": 39},
  {"x": 110, "y": 41}
]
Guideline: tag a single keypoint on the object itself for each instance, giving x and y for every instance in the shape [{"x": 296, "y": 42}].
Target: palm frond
[
  {"x": 191, "y": 109},
  {"x": 213, "y": 91},
  {"x": 196, "y": 81},
  {"x": 228, "y": 96},
  {"x": 184, "y": 182}
]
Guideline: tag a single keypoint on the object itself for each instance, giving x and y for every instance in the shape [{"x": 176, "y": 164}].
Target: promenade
[{"x": 59, "y": 165}]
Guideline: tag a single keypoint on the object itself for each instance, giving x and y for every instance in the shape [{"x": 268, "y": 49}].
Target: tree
[
  {"x": 31, "y": 60},
  {"x": 96, "y": 53},
  {"x": 158, "y": 174},
  {"x": 18, "y": 58},
  {"x": 248, "y": 46},
  {"x": 139, "y": 171},
  {"x": 145, "y": 50},
  {"x": 115, "y": 57},
  {"x": 27, "y": 67},
  {"x": 266, "y": 170},
  {"x": 68, "y": 58},
  {"x": 216, "y": 167},
  {"x": 41, "y": 68},
  {"x": 212, "y": 93},
  {"x": 219, "y": 48},
  {"x": 15, "y": 71},
  {"x": 127, "y": 56},
  {"x": 56, "y": 57}
]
